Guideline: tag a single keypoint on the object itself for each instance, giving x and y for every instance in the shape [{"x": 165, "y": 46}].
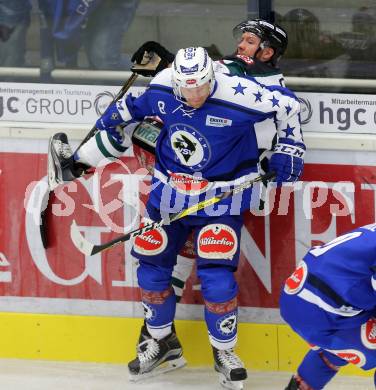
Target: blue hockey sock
[
  {"x": 159, "y": 311},
  {"x": 319, "y": 367},
  {"x": 222, "y": 325}
]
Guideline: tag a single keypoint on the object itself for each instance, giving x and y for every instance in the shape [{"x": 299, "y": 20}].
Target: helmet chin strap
[
  {"x": 263, "y": 46},
  {"x": 212, "y": 86}
]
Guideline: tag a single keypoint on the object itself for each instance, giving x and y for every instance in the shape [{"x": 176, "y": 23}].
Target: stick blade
[{"x": 79, "y": 241}]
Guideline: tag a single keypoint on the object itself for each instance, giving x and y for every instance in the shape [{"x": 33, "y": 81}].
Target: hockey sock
[
  {"x": 221, "y": 320},
  {"x": 219, "y": 289},
  {"x": 159, "y": 311},
  {"x": 319, "y": 367}
]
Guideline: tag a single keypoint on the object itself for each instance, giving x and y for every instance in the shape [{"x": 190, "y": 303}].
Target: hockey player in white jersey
[
  {"x": 260, "y": 45},
  {"x": 207, "y": 145}
]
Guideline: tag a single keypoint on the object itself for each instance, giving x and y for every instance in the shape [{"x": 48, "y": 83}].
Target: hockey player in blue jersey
[
  {"x": 206, "y": 146},
  {"x": 330, "y": 301},
  {"x": 260, "y": 45}
]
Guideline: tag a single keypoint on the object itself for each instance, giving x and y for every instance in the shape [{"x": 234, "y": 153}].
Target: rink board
[
  {"x": 58, "y": 305},
  {"x": 268, "y": 347}
]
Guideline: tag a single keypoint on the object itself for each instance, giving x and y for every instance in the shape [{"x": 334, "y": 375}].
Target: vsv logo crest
[{"x": 190, "y": 146}]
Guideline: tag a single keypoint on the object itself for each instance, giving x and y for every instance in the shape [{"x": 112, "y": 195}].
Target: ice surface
[{"x": 47, "y": 375}]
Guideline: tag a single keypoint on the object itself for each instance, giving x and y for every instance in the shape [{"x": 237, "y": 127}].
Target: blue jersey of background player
[
  {"x": 260, "y": 44},
  {"x": 330, "y": 301},
  {"x": 207, "y": 144}
]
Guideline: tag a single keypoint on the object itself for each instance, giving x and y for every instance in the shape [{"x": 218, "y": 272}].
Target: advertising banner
[
  {"x": 56, "y": 103},
  {"x": 333, "y": 113},
  {"x": 82, "y": 104},
  {"x": 336, "y": 194}
]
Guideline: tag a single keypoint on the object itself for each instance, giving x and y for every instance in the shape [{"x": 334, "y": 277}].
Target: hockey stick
[
  {"x": 148, "y": 67},
  {"x": 119, "y": 95},
  {"x": 89, "y": 249}
]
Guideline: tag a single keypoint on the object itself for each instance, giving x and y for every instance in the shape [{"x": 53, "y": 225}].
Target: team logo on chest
[{"x": 191, "y": 148}]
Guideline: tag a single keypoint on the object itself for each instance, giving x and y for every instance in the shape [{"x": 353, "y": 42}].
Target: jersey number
[{"x": 319, "y": 250}]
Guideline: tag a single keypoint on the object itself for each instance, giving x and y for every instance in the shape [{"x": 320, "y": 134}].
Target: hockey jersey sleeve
[
  {"x": 114, "y": 137},
  {"x": 286, "y": 109},
  {"x": 123, "y": 112},
  {"x": 287, "y": 160},
  {"x": 137, "y": 108}
]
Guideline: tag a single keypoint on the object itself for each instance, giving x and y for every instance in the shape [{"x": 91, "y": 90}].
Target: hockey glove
[
  {"x": 111, "y": 121},
  {"x": 154, "y": 47},
  {"x": 287, "y": 160}
]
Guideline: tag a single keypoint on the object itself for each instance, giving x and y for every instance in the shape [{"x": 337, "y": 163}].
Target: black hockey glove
[{"x": 154, "y": 47}]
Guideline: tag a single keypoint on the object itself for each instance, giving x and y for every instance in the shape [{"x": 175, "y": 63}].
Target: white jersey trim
[
  {"x": 310, "y": 297},
  {"x": 223, "y": 344},
  {"x": 373, "y": 281}
]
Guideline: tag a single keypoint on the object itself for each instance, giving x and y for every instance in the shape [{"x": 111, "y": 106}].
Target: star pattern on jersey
[
  {"x": 275, "y": 101},
  {"x": 258, "y": 96},
  {"x": 288, "y": 109},
  {"x": 239, "y": 89},
  {"x": 289, "y": 130}
]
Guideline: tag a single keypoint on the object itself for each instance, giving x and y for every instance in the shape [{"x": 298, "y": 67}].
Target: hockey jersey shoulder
[
  {"x": 163, "y": 78},
  {"x": 250, "y": 94},
  {"x": 246, "y": 66}
]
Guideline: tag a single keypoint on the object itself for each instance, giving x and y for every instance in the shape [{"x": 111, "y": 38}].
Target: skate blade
[
  {"x": 163, "y": 368},
  {"x": 227, "y": 384}
]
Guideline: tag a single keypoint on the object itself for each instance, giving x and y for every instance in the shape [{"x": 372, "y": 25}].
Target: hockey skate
[
  {"x": 155, "y": 357},
  {"x": 230, "y": 368},
  {"x": 293, "y": 384},
  {"x": 297, "y": 383},
  {"x": 61, "y": 166}
]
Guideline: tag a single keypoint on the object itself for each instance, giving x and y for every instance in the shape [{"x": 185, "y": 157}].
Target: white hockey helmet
[{"x": 192, "y": 67}]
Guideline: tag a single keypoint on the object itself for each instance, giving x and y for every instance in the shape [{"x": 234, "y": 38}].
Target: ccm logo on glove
[
  {"x": 287, "y": 160},
  {"x": 289, "y": 149}
]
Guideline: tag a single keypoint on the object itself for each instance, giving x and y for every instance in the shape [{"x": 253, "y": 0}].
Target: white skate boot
[{"x": 230, "y": 368}]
